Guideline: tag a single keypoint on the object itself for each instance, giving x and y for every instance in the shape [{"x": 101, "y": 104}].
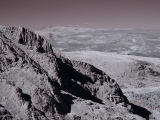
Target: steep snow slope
[
  {"x": 139, "y": 77},
  {"x": 126, "y": 69},
  {"x": 38, "y": 83}
]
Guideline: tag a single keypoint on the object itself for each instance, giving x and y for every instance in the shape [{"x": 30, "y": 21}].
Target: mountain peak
[{"x": 39, "y": 84}]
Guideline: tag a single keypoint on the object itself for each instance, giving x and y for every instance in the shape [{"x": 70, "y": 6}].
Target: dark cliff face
[{"x": 33, "y": 78}]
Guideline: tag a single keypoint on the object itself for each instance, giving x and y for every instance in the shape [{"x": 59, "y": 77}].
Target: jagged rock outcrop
[{"x": 33, "y": 78}]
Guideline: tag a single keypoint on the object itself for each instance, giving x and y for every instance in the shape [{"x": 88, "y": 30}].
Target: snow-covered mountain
[
  {"x": 38, "y": 83},
  {"x": 130, "y": 56}
]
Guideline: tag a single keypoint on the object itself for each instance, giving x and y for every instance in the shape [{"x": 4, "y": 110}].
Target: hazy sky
[{"x": 143, "y": 14}]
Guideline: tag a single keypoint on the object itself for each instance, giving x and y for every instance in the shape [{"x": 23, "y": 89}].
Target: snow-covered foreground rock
[{"x": 38, "y": 83}]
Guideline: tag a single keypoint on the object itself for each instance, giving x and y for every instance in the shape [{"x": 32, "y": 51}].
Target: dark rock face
[
  {"x": 4, "y": 114},
  {"x": 33, "y": 76}
]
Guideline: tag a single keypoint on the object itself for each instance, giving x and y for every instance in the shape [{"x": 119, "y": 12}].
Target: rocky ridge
[{"x": 35, "y": 80}]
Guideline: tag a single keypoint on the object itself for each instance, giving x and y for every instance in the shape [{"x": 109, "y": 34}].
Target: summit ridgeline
[{"x": 36, "y": 82}]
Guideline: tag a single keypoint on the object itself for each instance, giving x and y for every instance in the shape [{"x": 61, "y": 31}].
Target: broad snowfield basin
[{"x": 73, "y": 73}]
